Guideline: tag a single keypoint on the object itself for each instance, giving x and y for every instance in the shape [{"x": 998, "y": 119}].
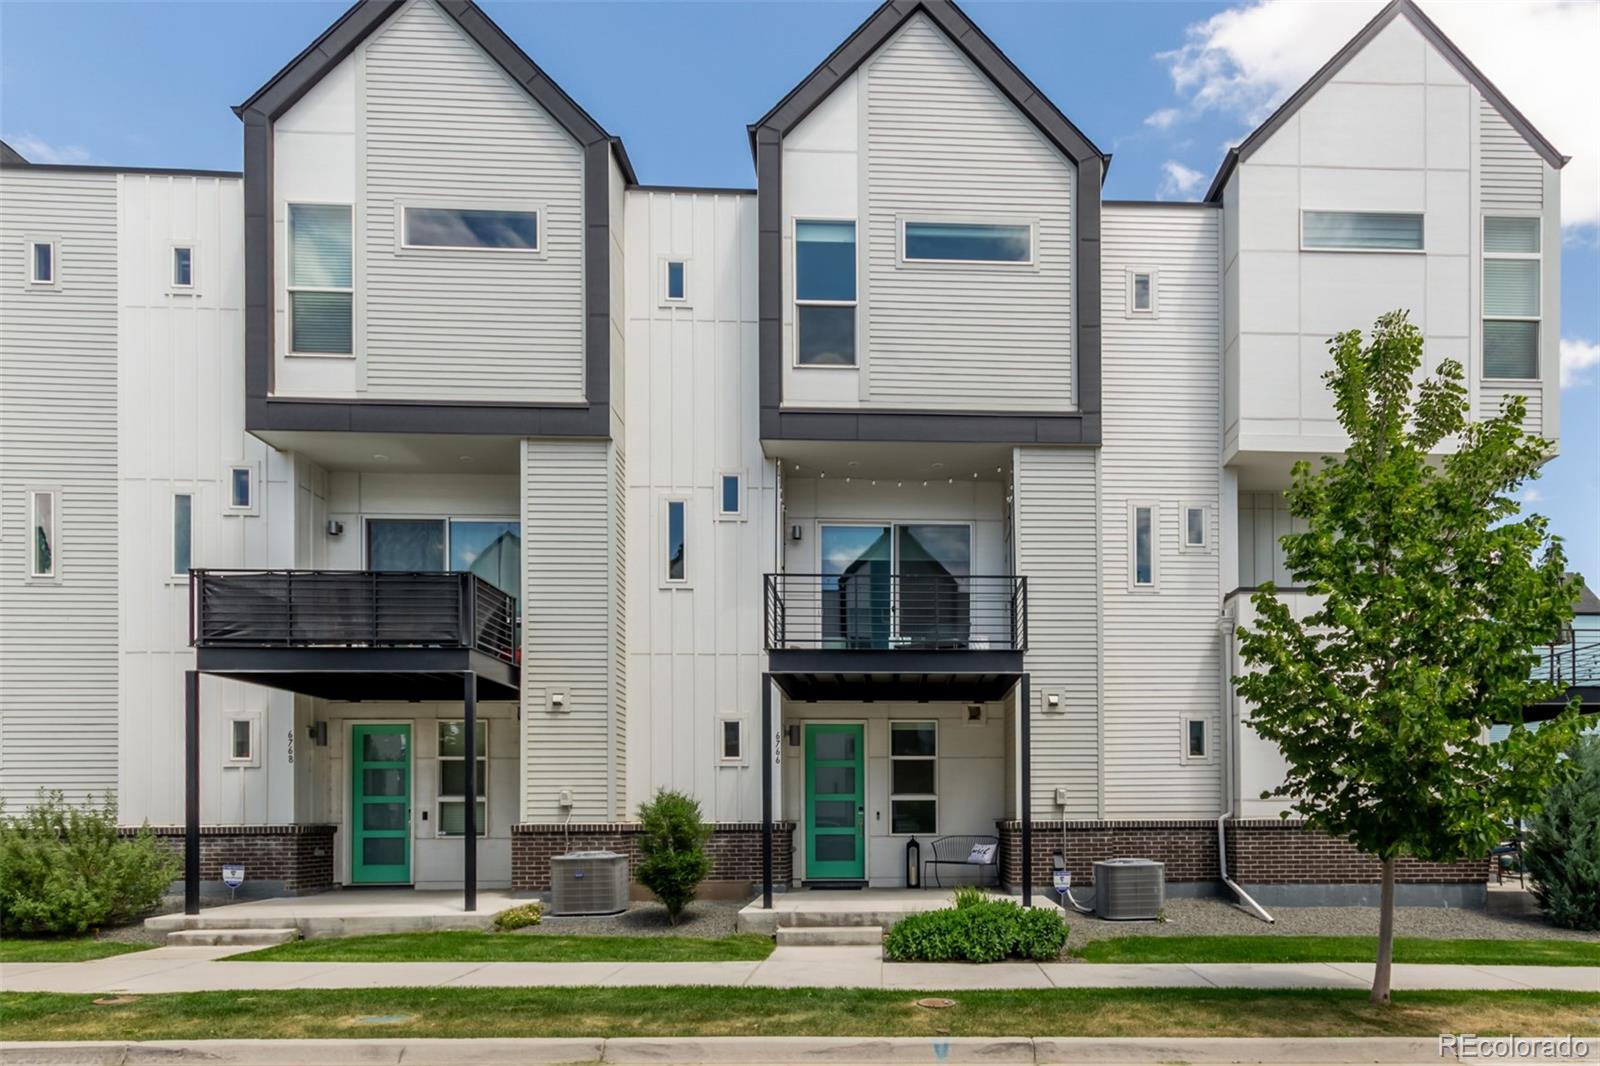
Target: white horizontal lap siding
[
  {"x": 1056, "y": 530},
  {"x": 58, "y": 429},
  {"x": 569, "y": 602},
  {"x": 943, "y": 143},
  {"x": 1492, "y": 395},
  {"x": 1162, "y": 376},
  {"x": 618, "y": 743},
  {"x": 443, "y": 125},
  {"x": 1511, "y": 172}
]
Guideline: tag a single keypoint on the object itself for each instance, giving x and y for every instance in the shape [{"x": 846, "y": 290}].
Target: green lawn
[
  {"x": 1263, "y": 948},
  {"x": 472, "y": 946},
  {"x": 613, "y": 1012},
  {"x": 62, "y": 949}
]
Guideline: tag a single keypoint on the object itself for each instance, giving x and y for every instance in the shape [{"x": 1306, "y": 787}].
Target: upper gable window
[
  {"x": 825, "y": 293},
  {"x": 1361, "y": 231},
  {"x": 471, "y": 228},
  {"x": 321, "y": 279},
  {"x": 966, "y": 242}
]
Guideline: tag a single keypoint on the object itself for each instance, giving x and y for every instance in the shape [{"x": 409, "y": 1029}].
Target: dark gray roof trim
[
  {"x": 1434, "y": 36},
  {"x": 1588, "y": 602},
  {"x": 85, "y": 168},
  {"x": 1081, "y": 426},
  {"x": 262, "y": 411},
  {"x": 1208, "y": 205},
  {"x": 10, "y": 157}
]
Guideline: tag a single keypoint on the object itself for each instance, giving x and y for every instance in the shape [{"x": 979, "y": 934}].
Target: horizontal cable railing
[
  {"x": 870, "y": 611},
  {"x": 350, "y": 608},
  {"x": 1570, "y": 663}
]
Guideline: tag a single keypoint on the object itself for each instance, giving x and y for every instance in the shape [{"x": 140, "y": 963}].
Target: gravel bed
[
  {"x": 705, "y": 918},
  {"x": 1216, "y": 917}
]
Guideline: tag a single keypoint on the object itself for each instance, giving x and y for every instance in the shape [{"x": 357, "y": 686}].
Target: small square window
[
  {"x": 731, "y": 741},
  {"x": 677, "y": 280},
  {"x": 730, "y": 495},
  {"x": 241, "y": 488},
  {"x": 41, "y": 262},
  {"x": 182, "y": 267}
]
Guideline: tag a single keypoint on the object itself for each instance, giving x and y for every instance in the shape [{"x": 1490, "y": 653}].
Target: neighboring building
[{"x": 971, "y": 463}]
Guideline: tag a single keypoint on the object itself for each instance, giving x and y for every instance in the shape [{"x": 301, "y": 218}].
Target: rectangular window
[
  {"x": 1194, "y": 527},
  {"x": 913, "y": 771},
  {"x": 1196, "y": 744},
  {"x": 182, "y": 533},
  {"x": 453, "y": 778},
  {"x": 730, "y": 744},
  {"x": 241, "y": 488},
  {"x": 42, "y": 538},
  {"x": 675, "y": 547},
  {"x": 41, "y": 262},
  {"x": 730, "y": 500},
  {"x": 1142, "y": 291},
  {"x": 1143, "y": 571},
  {"x": 825, "y": 293},
  {"x": 1511, "y": 297},
  {"x": 406, "y": 544},
  {"x": 241, "y": 740},
  {"x": 1367, "y": 231},
  {"x": 471, "y": 228},
  {"x": 182, "y": 267},
  {"x": 966, "y": 242},
  {"x": 677, "y": 280},
  {"x": 321, "y": 279}
]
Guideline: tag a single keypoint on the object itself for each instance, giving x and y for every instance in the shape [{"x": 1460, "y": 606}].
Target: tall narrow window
[
  {"x": 182, "y": 533},
  {"x": 1141, "y": 292},
  {"x": 1511, "y": 313},
  {"x": 1196, "y": 744},
  {"x": 730, "y": 501},
  {"x": 913, "y": 790},
  {"x": 1143, "y": 546},
  {"x": 675, "y": 547},
  {"x": 453, "y": 778},
  {"x": 321, "y": 279},
  {"x": 825, "y": 293},
  {"x": 730, "y": 744},
  {"x": 42, "y": 534},
  {"x": 41, "y": 262},
  {"x": 1364, "y": 231},
  {"x": 677, "y": 280},
  {"x": 1194, "y": 527},
  {"x": 241, "y": 495},
  {"x": 242, "y": 741},
  {"x": 182, "y": 267}
]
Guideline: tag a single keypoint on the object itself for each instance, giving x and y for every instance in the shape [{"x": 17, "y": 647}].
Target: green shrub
[
  {"x": 519, "y": 917},
  {"x": 64, "y": 869},
  {"x": 970, "y": 895},
  {"x": 977, "y": 930},
  {"x": 1563, "y": 849},
  {"x": 672, "y": 841}
]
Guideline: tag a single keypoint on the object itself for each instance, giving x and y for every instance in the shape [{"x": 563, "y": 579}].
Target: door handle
[{"x": 861, "y": 819}]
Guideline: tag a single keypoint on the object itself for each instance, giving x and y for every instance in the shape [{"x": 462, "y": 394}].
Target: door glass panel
[
  {"x": 405, "y": 544},
  {"x": 856, "y": 563},
  {"x": 383, "y": 782},
  {"x": 383, "y": 747},
  {"x": 840, "y": 746},
  {"x": 836, "y": 847},
  {"x": 383, "y": 851},
  {"x": 913, "y": 776},
  {"x": 834, "y": 780},
  {"x": 835, "y": 814},
  {"x": 934, "y": 564},
  {"x": 383, "y": 816}
]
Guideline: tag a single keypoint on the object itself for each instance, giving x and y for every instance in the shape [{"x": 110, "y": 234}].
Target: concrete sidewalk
[{"x": 200, "y": 969}]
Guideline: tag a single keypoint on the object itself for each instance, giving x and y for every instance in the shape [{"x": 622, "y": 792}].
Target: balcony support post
[
  {"x": 1025, "y": 709},
  {"x": 768, "y": 743},
  {"x": 191, "y": 792},
  {"x": 469, "y": 842}
]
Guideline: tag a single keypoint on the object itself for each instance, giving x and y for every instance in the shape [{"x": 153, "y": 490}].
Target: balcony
[
  {"x": 877, "y": 635},
  {"x": 356, "y": 634},
  {"x": 1573, "y": 663}
]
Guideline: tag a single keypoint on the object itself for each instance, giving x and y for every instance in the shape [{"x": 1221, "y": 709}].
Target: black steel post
[
  {"x": 767, "y": 743},
  {"x": 1025, "y": 708},
  {"x": 191, "y": 792},
  {"x": 469, "y": 843}
]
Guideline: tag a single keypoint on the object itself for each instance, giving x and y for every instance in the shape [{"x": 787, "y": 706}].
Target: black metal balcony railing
[
  {"x": 1574, "y": 662},
  {"x": 871, "y": 611},
  {"x": 350, "y": 608}
]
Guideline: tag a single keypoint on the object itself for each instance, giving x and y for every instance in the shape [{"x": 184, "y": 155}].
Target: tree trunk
[{"x": 1380, "y": 976}]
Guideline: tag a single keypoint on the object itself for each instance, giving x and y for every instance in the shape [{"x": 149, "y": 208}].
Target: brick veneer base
[
  {"x": 1267, "y": 851},
  {"x": 735, "y": 850},
  {"x": 286, "y": 860}
]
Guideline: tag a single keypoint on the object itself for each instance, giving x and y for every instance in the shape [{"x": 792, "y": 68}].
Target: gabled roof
[
  {"x": 1430, "y": 33},
  {"x": 1588, "y": 602},
  {"x": 365, "y": 16},
  {"x": 11, "y": 157},
  {"x": 883, "y": 24}
]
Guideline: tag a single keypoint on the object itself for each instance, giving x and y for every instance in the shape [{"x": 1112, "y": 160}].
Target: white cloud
[
  {"x": 1164, "y": 118},
  {"x": 1577, "y": 357},
  {"x": 1531, "y": 495},
  {"x": 37, "y": 150},
  {"x": 1178, "y": 180},
  {"x": 1246, "y": 60}
]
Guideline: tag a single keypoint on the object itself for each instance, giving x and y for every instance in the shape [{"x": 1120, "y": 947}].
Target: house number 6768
[{"x": 291, "y": 745}]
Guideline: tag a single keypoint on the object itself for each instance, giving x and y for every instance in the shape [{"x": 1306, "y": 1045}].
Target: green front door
[
  {"x": 835, "y": 814},
  {"x": 380, "y": 804}
]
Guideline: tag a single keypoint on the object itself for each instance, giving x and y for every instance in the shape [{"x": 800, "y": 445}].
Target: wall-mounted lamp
[
  {"x": 793, "y": 732},
  {"x": 318, "y": 732},
  {"x": 335, "y": 527},
  {"x": 796, "y": 531}
]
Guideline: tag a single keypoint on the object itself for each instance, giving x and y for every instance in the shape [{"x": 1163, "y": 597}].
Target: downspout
[{"x": 1225, "y": 627}]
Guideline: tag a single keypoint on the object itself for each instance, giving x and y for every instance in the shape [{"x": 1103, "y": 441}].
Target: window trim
[
  {"x": 795, "y": 302},
  {"x": 440, "y": 797},
  {"x": 253, "y": 720},
  {"x": 1304, "y": 247},
  {"x": 1154, "y": 310},
  {"x": 1483, "y": 314},
  {"x": 1184, "y": 755},
  {"x": 178, "y": 576},
  {"x": 1184, "y": 544},
  {"x": 194, "y": 267},
  {"x": 402, "y": 245},
  {"x": 920, "y": 796},
  {"x": 290, "y": 288},
  {"x": 28, "y": 262},
  {"x": 253, "y": 506},
  {"x": 667, "y": 299},
  {"x": 1134, "y": 507},
  {"x": 53, "y": 575},
  {"x": 663, "y": 543},
  {"x": 744, "y": 489},
  {"x": 723, "y": 758},
  {"x": 1030, "y": 224}
]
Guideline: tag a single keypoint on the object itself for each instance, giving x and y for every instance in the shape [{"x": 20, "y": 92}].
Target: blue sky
[{"x": 151, "y": 84}]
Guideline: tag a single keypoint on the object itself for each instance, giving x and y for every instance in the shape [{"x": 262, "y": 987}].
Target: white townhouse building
[{"x": 914, "y": 493}]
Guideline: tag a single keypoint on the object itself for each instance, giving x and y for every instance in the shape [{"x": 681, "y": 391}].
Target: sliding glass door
[
  {"x": 856, "y": 594},
  {"x": 490, "y": 549},
  {"x": 889, "y": 586}
]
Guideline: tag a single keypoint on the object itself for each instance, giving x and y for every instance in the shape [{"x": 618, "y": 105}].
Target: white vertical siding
[
  {"x": 1511, "y": 173},
  {"x": 1264, "y": 519},
  {"x": 1161, "y": 437},
  {"x": 443, "y": 125},
  {"x": 944, "y": 144},
  {"x": 58, "y": 430},
  {"x": 1056, "y": 508}
]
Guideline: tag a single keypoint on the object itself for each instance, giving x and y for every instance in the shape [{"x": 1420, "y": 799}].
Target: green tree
[
  {"x": 1431, "y": 595},
  {"x": 1563, "y": 848},
  {"x": 672, "y": 841}
]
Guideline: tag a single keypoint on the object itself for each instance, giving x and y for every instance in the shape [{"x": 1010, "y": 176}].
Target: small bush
[
  {"x": 977, "y": 930},
  {"x": 1562, "y": 853},
  {"x": 64, "y": 869},
  {"x": 519, "y": 917},
  {"x": 673, "y": 843},
  {"x": 969, "y": 896}
]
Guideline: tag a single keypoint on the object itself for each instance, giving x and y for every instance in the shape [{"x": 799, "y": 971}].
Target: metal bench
[{"x": 957, "y": 851}]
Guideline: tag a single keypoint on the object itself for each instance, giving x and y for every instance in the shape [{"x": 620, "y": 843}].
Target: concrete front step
[
  {"x": 829, "y": 935},
  {"x": 189, "y": 938}
]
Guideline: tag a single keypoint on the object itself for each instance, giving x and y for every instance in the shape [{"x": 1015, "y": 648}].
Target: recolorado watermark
[{"x": 1465, "y": 1047}]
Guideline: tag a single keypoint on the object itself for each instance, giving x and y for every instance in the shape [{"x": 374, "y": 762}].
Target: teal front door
[
  {"x": 836, "y": 845},
  {"x": 380, "y": 804}
]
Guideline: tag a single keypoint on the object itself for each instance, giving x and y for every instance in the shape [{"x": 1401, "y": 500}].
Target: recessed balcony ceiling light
[
  {"x": 380, "y": 458},
  {"x": 465, "y": 458},
  {"x": 937, "y": 466},
  {"x": 852, "y": 463}
]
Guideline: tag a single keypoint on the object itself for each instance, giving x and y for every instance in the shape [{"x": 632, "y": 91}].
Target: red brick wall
[
  {"x": 1189, "y": 848},
  {"x": 1271, "y": 852},
  {"x": 735, "y": 849},
  {"x": 299, "y": 856}
]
